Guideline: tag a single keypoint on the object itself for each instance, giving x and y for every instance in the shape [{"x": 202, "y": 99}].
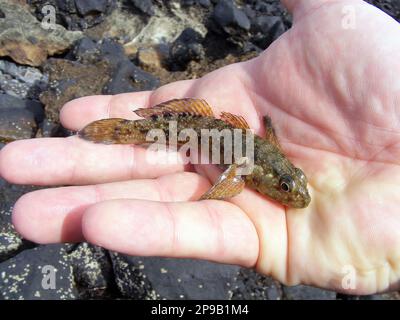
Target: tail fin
[{"x": 108, "y": 131}]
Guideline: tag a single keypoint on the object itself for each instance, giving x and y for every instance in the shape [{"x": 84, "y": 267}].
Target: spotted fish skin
[{"x": 273, "y": 174}]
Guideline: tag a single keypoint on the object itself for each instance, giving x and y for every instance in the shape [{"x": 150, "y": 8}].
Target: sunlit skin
[{"x": 334, "y": 97}]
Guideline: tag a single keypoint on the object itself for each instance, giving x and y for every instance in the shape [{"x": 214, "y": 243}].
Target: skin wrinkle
[
  {"x": 98, "y": 193},
  {"x": 131, "y": 164},
  {"x": 75, "y": 163},
  {"x": 174, "y": 231},
  {"x": 339, "y": 99},
  {"x": 330, "y": 90},
  {"x": 366, "y": 163},
  {"x": 308, "y": 13},
  {"x": 161, "y": 191},
  {"x": 214, "y": 217},
  {"x": 285, "y": 110},
  {"x": 337, "y": 154}
]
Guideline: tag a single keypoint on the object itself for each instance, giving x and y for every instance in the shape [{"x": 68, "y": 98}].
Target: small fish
[{"x": 273, "y": 174}]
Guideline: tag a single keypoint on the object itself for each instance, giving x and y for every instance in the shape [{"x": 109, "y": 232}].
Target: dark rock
[
  {"x": 250, "y": 285},
  {"x": 162, "y": 278},
  {"x": 16, "y": 124},
  {"x": 92, "y": 271},
  {"x": 85, "y": 50},
  {"x": 88, "y": 51},
  {"x": 227, "y": 14},
  {"x": 69, "y": 80},
  {"x": 145, "y": 6},
  {"x": 91, "y": 6},
  {"x": 81, "y": 271},
  {"x": 19, "y": 27},
  {"x": 10, "y": 242},
  {"x": 187, "y": 47},
  {"x": 263, "y": 7},
  {"x": 24, "y": 74},
  {"x": 24, "y": 276},
  {"x": 203, "y": 3},
  {"x": 65, "y": 5},
  {"x": 267, "y": 29},
  {"x": 21, "y": 81},
  {"x": 2, "y": 14},
  {"x": 111, "y": 51},
  {"x": 383, "y": 296},
  {"x": 391, "y": 7},
  {"x": 8, "y": 102},
  {"x": 103, "y": 68},
  {"x": 301, "y": 292},
  {"x": 129, "y": 78},
  {"x": 52, "y": 129},
  {"x": 76, "y": 14}
]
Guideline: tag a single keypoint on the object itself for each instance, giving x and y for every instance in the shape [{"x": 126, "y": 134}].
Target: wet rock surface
[
  {"x": 187, "y": 47},
  {"x": 75, "y": 14},
  {"x": 22, "y": 82},
  {"x": 96, "y": 68},
  {"x": 10, "y": 242},
  {"x": 24, "y": 39},
  {"x": 108, "y": 47},
  {"x": 19, "y": 118}
]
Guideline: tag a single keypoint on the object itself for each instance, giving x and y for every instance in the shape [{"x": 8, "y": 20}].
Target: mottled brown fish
[{"x": 272, "y": 175}]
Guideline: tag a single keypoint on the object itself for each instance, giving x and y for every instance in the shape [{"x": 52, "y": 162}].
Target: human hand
[{"x": 331, "y": 93}]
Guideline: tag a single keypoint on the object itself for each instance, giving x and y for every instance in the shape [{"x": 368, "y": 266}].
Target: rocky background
[{"x": 109, "y": 47}]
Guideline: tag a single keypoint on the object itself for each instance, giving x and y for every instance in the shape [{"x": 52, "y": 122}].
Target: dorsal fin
[
  {"x": 270, "y": 133},
  {"x": 187, "y": 105},
  {"x": 234, "y": 120}
]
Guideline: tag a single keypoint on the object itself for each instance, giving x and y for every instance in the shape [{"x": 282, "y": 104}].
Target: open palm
[{"x": 332, "y": 90}]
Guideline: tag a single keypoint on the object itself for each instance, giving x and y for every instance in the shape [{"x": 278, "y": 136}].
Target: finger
[
  {"x": 55, "y": 161},
  {"x": 54, "y": 215},
  {"x": 212, "y": 230},
  {"x": 269, "y": 219},
  {"x": 79, "y": 112}
]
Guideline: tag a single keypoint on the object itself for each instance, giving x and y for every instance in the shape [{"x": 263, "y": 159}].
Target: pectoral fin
[{"x": 228, "y": 185}]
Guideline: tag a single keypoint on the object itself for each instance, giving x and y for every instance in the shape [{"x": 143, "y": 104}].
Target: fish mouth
[{"x": 302, "y": 200}]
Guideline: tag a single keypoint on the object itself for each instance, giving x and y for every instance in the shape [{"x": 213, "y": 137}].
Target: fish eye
[{"x": 286, "y": 183}]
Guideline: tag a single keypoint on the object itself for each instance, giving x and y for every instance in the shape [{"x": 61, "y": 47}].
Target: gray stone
[
  {"x": 227, "y": 14},
  {"x": 164, "y": 278},
  {"x": 187, "y": 47},
  {"x": 267, "y": 29},
  {"x": 145, "y": 6},
  {"x": 10, "y": 242},
  {"x": 24, "y": 39},
  {"x": 16, "y": 124},
  {"x": 8, "y": 102},
  {"x": 92, "y": 271},
  {"x": 21, "y": 81},
  {"x": 129, "y": 78},
  {"x": 69, "y": 80},
  {"x": 91, "y": 6},
  {"x": 24, "y": 276},
  {"x": 302, "y": 292},
  {"x": 250, "y": 285}
]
